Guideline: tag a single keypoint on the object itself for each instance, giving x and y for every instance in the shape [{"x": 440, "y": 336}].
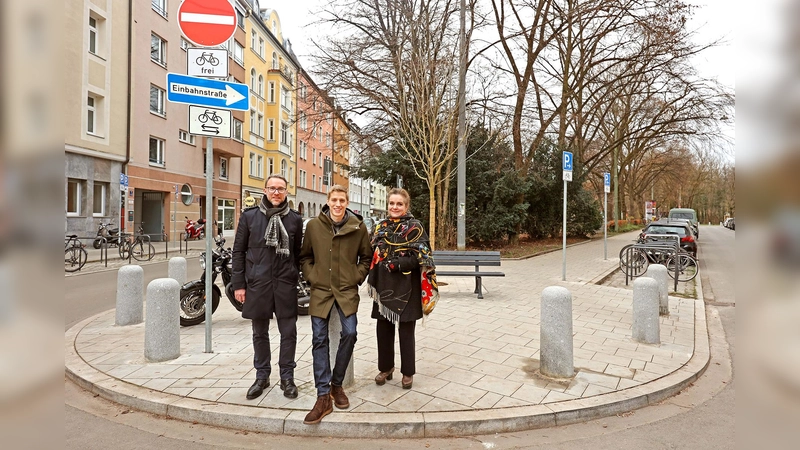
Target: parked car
[
  {"x": 687, "y": 238},
  {"x": 686, "y": 213},
  {"x": 729, "y": 223},
  {"x": 688, "y": 223}
]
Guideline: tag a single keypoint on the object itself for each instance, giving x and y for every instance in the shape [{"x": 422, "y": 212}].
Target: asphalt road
[{"x": 700, "y": 417}]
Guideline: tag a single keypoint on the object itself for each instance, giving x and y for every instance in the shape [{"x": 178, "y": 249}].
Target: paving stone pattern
[{"x": 471, "y": 354}]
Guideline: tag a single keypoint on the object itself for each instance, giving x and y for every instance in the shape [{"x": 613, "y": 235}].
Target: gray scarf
[{"x": 276, "y": 235}]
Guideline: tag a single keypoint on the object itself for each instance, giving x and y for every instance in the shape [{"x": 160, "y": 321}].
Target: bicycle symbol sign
[
  {"x": 207, "y": 62},
  {"x": 206, "y": 121}
]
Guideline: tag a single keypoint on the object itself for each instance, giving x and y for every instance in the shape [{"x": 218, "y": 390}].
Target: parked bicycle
[
  {"x": 137, "y": 246},
  {"x": 75, "y": 255},
  {"x": 207, "y": 57},
  {"x": 634, "y": 259}
]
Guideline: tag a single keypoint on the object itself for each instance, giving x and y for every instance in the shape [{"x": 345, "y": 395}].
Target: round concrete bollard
[
  {"x": 658, "y": 272},
  {"x": 130, "y": 295},
  {"x": 646, "y": 325},
  {"x": 555, "y": 333},
  {"x": 177, "y": 269},
  {"x": 162, "y": 336}
]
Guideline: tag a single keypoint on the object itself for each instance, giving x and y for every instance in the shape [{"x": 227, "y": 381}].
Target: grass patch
[
  {"x": 623, "y": 229},
  {"x": 527, "y": 247}
]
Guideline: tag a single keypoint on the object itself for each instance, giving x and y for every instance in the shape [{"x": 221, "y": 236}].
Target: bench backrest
[{"x": 466, "y": 258}]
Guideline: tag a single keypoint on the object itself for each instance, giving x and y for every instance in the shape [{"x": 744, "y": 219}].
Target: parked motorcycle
[
  {"x": 110, "y": 234},
  {"x": 194, "y": 229},
  {"x": 193, "y": 298}
]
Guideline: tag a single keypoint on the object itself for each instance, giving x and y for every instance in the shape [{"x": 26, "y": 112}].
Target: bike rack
[
  {"x": 103, "y": 246},
  {"x": 654, "y": 244}
]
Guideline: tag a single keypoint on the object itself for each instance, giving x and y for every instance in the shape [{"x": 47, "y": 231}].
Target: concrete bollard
[
  {"x": 162, "y": 336},
  {"x": 555, "y": 333},
  {"x": 646, "y": 325},
  {"x": 130, "y": 295},
  {"x": 177, "y": 269},
  {"x": 334, "y": 337},
  {"x": 658, "y": 272}
]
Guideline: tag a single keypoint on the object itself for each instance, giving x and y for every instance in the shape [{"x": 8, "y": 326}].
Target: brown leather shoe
[
  {"x": 339, "y": 398},
  {"x": 322, "y": 408},
  {"x": 407, "y": 381},
  {"x": 381, "y": 378}
]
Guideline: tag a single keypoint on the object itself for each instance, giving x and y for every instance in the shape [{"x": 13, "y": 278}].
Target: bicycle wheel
[
  {"x": 217, "y": 120},
  {"x": 74, "y": 259},
  {"x": 633, "y": 262},
  {"x": 124, "y": 249},
  {"x": 687, "y": 267},
  {"x": 214, "y": 61},
  {"x": 143, "y": 251}
]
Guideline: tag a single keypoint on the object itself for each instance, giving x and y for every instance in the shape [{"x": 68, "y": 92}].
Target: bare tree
[{"x": 394, "y": 62}]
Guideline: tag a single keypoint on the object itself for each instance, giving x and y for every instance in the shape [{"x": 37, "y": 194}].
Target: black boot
[
  {"x": 257, "y": 388},
  {"x": 288, "y": 388}
]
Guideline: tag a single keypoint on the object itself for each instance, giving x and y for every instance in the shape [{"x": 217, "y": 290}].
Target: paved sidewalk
[{"x": 477, "y": 361}]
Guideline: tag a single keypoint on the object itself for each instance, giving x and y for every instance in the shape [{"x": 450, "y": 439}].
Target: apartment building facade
[
  {"x": 271, "y": 74},
  {"x": 96, "y": 80},
  {"x": 166, "y": 170}
]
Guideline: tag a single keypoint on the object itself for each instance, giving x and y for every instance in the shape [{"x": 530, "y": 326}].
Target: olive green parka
[{"x": 335, "y": 264}]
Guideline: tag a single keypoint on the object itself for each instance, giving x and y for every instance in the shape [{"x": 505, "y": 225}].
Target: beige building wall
[{"x": 95, "y": 90}]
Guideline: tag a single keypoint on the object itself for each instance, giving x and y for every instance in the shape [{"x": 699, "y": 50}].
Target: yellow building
[{"x": 270, "y": 134}]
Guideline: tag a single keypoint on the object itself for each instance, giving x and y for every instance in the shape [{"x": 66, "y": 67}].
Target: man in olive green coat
[{"x": 335, "y": 260}]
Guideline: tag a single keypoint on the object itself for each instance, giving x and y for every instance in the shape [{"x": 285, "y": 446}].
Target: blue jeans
[{"x": 323, "y": 377}]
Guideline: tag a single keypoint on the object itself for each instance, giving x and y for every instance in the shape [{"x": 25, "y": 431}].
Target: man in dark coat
[
  {"x": 335, "y": 258},
  {"x": 265, "y": 273}
]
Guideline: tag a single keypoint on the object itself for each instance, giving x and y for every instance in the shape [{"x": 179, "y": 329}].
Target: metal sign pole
[
  {"x": 209, "y": 237},
  {"x": 605, "y": 226},
  {"x": 564, "y": 237}
]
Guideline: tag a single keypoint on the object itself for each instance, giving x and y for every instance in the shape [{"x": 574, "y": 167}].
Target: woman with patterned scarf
[{"x": 402, "y": 284}]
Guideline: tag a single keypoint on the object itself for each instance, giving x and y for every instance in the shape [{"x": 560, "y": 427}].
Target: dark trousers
[
  {"x": 262, "y": 355},
  {"x": 385, "y": 332}
]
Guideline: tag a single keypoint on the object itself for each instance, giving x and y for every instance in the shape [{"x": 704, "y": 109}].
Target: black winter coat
[{"x": 270, "y": 280}]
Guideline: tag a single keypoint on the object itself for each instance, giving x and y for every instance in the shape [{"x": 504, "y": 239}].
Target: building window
[
  {"x": 303, "y": 151},
  {"x": 261, "y": 85},
  {"x": 184, "y": 44},
  {"x": 240, "y": 19},
  {"x": 73, "y": 197},
  {"x": 157, "y": 96},
  {"x": 253, "y": 122},
  {"x": 158, "y": 50},
  {"x": 320, "y": 159},
  {"x": 99, "y": 201},
  {"x": 186, "y": 194},
  {"x": 223, "y": 168},
  {"x": 253, "y": 40},
  {"x": 313, "y": 157},
  {"x": 160, "y": 6},
  {"x": 260, "y": 167},
  {"x": 270, "y": 166},
  {"x": 327, "y": 140},
  {"x": 271, "y": 98},
  {"x": 94, "y": 34},
  {"x": 260, "y": 124},
  {"x": 313, "y": 182},
  {"x": 286, "y": 98},
  {"x": 284, "y": 133},
  {"x": 156, "y": 151},
  {"x": 284, "y": 169},
  {"x": 291, "y": 176},
  {"x": 303, "y": 121},
  {"x": 271, "y": 130},
  {"x": 301, "y": 178},
  {"x": 253, "y": 79},
  {"x": 238, "y": 53},
  {"x": 237, "y": 129},
  {"x": 185, "y": 137},
  {"x": 261, "y": 47},
  {"x": 91, "y": 114},
  {"x": 252, "y": 163}
]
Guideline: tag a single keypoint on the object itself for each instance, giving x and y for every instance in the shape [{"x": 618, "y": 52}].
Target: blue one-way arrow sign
[{"x": 205, "y": 92}]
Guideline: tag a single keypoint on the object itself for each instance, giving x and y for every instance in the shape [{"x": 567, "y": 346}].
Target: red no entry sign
[{"x": 207, "y": 23}]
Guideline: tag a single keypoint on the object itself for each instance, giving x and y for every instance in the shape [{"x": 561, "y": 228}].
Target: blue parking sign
[
  {"x": 607, "y": 179},
  {"x": 568, "y": 161}
]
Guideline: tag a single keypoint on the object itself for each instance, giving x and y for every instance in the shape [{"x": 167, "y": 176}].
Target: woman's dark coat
[{"x": 270, "y": 279}]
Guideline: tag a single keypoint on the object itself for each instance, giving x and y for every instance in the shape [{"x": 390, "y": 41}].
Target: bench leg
[{"x": 478, "y": 287}]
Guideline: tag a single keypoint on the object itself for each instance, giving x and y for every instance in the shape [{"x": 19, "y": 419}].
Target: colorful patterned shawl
[{"x": 401, "y": 237}]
